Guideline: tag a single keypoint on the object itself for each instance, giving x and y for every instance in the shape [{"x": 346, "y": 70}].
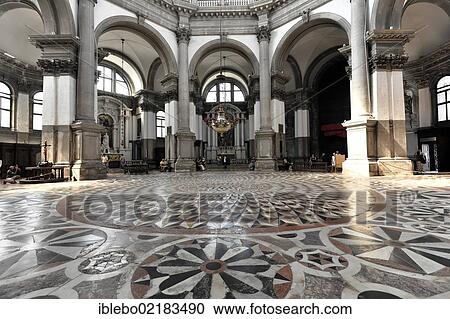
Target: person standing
[
  {"x": 420, "y": 161},
  {"x": 333, "y": 163}
]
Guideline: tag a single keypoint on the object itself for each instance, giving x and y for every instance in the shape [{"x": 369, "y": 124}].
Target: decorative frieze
[
  {"x": 263, "y": 33},
  {"x": 170, "y": 87},
  {"x": 150, "y": 101}
]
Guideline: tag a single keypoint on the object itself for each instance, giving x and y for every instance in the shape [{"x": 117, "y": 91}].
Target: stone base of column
[
  {"x": 148, "y": 149},
  {"x": 185, "y": 151},
  {"x": 86, "y": 152},
  {"x": 362, "y": 147},
  {"x": 251, "y": 149},
  {"x": 264, "y": 141},
  {"x": 360, "y": 168},
  {"x": 395, "y": 167}
]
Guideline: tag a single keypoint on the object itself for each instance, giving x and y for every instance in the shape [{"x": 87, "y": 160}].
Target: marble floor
[{"x": 227, "y": 235}]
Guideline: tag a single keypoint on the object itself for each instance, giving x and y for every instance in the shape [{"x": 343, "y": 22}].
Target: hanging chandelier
[{"x": 221, "y": 120}]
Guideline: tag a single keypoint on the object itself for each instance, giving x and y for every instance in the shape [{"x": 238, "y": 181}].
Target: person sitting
[
  {"x": 163, "y": 165},
  {"x": 12, "y": 175},
  {"x": 252, "y": 165},
  {"x": 200, "y": 165}
]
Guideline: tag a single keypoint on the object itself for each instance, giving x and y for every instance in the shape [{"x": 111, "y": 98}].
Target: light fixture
[{"x": 222, "y": 120}]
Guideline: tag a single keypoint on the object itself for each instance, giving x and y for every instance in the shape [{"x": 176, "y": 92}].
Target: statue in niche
[
  {"x": 105, "y": 143},
  {"x": 411, "y": 117}
]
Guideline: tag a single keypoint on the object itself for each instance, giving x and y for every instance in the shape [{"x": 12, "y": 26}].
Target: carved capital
[
  {"x": 263, "y": 33},
  {"x": 58, "y": 66},
  {"x": 183, "y": 34},
  {"x": 388, "y": 62}
]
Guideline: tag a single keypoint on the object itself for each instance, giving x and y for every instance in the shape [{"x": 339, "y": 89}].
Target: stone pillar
[
  {"x": 86, "y": 132},
  {"x": 170, "y": 91},
  {"x": 59, "y": 66},
  {"x": 185, "y": 138},
  {"x": 149, "y": 104},
  {"x": 388, "y": 100},
  {"x": 265, "y": 136},
  {"x": 278, "y": 113},
  {"x": 303, "y": 133},
  {"x": 361, "y": 128}
]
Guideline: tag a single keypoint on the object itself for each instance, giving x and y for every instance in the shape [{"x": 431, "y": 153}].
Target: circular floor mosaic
[
  {"x": 214, "y": 268},
  {"x": 214, "y": 203}
]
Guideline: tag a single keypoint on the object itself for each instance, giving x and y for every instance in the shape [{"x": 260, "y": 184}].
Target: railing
[{"x": 221, "y": 3}]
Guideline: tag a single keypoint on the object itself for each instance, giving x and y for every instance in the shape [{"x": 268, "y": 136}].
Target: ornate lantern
[{"x": 222, "y": 121}]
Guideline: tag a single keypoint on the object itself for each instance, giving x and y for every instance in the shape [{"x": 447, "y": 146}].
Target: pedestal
[
  {"x": 185, "y": 151},
  {"x": 362, "y": 146},
  {"x": 395, "y": 167},
  {"x": 86, "y": 152},
  {"x": 264, "y": 150}
]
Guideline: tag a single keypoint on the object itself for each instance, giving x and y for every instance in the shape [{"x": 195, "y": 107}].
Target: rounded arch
[
  {"x": 217, "y": 70},
  {"x": 152, "y": 73},
  {"x": 319, "y": 64},
  {"x": 150, "y": 34},
  {"x": 228, "y": 45},
  {"x": 297, "y": 73},
  {"x": 56, "y": 14},
  {"x": 389, "y": 13},
  {"x": 300, "y": 29},
  {"x": 226, "y": 79}
]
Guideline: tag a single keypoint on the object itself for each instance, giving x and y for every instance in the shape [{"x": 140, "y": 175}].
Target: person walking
[{"x": 333, "y": 163}]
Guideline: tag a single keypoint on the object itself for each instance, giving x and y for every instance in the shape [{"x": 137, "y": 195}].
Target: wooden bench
[
  {"x": 50, "y": 174},
  {"x": 135, "y": 167},
  {"x": 318, "y": 166}
]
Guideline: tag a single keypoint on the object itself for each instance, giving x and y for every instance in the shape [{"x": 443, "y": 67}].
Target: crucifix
[{"x": 45, "y": 146}]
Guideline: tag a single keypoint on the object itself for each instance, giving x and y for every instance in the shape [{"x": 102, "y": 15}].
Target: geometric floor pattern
[{"x": 227, "y": 235}]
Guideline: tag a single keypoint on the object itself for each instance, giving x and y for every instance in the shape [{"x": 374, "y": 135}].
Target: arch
[
  {"x": 56, "y": 14},
  {"x": 389, "y": 13},
  {"x": 295, "y": 71},
  {"x": 150, "y": 34},
  {"x": 224, "y": 69},
  {"x": 228, "y": 80},
  {"x": 228, "y": 45},
  {"x": 300, "y": 29},
  {"x": 127, "y": 60},
  {"x": 152, "y": 73},
  {"x": 318, "y": 65}
]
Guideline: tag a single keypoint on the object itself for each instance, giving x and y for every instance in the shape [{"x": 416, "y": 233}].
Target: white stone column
[
  {"x": 361, "y": 139},
  {"x": 58, "y": 63},
  {"x": 302, "y": 134},
  {"x": 388, "y": 100}
]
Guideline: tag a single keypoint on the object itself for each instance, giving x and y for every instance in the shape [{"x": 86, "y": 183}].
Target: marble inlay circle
[{"x": 214, "y": 268}]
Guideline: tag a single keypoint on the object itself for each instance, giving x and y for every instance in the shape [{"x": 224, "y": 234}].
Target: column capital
[
  {"x": 387, "y": 49},
  {"x": 170, "y": 87},
  {"x": 346, "y": 51},
  {"x": 58, "y": 67},
  {"x": 278, "y": 82},
  {"x": 263, "y": 33},
  {"x": 183, "y": 34},
  {"x": 149, "y": 101}
]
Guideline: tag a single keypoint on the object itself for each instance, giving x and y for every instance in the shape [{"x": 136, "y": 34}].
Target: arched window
[
  {"x": 443, "y": 99},
  {"x": 5, "y": 105},
  {"x": 225, "y": 92},
  {"x": 160, "y": 124},
  {"x": 37, "y": 111},
  {"x": 111, "y": 81}
]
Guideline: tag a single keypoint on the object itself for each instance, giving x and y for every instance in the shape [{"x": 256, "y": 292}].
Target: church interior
[{"x": 225, "y": 149}]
